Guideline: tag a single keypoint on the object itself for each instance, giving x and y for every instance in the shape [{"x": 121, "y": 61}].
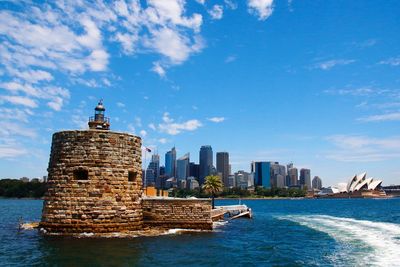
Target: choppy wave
[
  {"x": 362, "y": 242},
  {"x": 218, "y": 224}
]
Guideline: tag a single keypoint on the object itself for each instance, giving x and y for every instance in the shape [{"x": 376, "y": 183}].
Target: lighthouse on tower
[{"x": 99, "y": 121}]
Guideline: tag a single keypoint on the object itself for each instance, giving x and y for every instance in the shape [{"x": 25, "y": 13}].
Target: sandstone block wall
[
  {"x": 94, "y": 183},
  {"x": 177, "y": 213}
]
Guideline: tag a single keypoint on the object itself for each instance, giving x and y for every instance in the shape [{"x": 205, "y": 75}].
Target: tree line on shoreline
[
  {"x": 237, "y": 192},
  {"x": 12, "y": 188}
]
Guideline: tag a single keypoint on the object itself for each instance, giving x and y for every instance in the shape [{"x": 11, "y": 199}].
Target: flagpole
[{"x": 145, "y": 162}]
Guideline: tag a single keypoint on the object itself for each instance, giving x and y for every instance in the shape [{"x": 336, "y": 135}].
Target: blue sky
[{"x": 313, "y": 82}]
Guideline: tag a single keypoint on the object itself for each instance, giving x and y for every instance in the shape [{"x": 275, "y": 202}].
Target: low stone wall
[{"x": 171, "y": 213}]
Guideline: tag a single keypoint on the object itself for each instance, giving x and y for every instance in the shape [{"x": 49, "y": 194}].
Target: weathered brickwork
[
  {"x": 177, "y": 213},
  {"x": 94, "y": 183}
]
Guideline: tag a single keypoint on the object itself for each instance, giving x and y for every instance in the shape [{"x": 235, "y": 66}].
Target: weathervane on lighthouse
[{"x": 99, "y": 122}]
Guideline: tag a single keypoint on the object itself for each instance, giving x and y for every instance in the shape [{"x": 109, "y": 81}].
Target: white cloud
[
  {"x": 362, "y": 104},
  {"x": 261, "y": 8},
  {"x": 163, "y": 140},
  {"x": 79, "y": 121},
  {"x": 11, "y": 151},
  {"x": 152, "y": 126},
  {"x": 231, "y": 4},
  {"x": 32, "y": 76},
  {"x": 56, "y": 103},
  {"x": 172, "y": 11},
  {"x": 388, "y": 105},
  {"x": 175, "y": 46},
  {"x": 357, "y": 148},
  {"x": 106, "y": 82},
  {"x": 16, "y": 86},
  {"x": 216, "y": 12},
  {"x": 98, "y": 60},
  {"x": 9, "y": 148},
  {"x": 92, "y": 83},
  {"x": 170, "y": 127},
  {"x": 157, "y": 68},
  {"x": 19, "y": 100},
  {"x": 50, "y": 44},
  {"x": 128, "y": 42},
  {"x": 362, "y": 91},
  {"x": 11, "y": 129},
  {"x": 367, "y": 43},
  {"x": 143, "y": 133},
  {"x": 326, "y": 65},
  {"x": 201, "y": 1},
  {"x": 138, "y": 121},
  {"x": 366, "y": 92},
  {"x": 120, "y": 105},
  {"x": 131, "y": 128},
  {"x": 395, "y": 116},
  {"x": 216, "y": 119},
  {"x": 394, "y": 61},
  {"x": 38, "y": 42},
  {"x": 52, "y": 93},
  {"x": 15, "y": 114}
]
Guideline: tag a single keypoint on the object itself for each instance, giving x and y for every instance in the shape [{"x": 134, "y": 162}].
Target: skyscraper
[
  {"x": 153, "y": 170},
  {"x": 293, "y": 175},
  {"x": 182, "y": 170},
  {"x": 194, "y": 170},
  {"x": 242, "y": 179},
  {"x": 206, "y": 162},
  {"x": 170, "y": 163},
  {"x": 262, "y": 174},
  {"x": 223, "y": 167},
  {"x": 155, "y": 159},
  {"x": 305, "y": 178},
  {"x": 317, "y": 183},
  {"x": 278, "y": 174}
]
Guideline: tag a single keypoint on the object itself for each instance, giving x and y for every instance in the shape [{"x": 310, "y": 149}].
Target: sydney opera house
[{"x": 358, "y": 186}]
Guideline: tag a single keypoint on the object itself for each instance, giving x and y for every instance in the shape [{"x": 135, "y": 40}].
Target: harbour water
[{"x": 325, "y": 232}]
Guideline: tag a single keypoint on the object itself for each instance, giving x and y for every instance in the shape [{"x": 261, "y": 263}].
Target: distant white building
[
  {"x": 250, "y": 180},
  {"x": 24, "y": 179},
  {"x": 241, "y": 179},
  {"x": 192, "y": 183},
  {"x": 361, "y": 182},
  {"x": 357, "y": 183}
]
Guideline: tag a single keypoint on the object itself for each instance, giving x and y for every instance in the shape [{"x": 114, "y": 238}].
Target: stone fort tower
[{"x": 94, "y": 180}]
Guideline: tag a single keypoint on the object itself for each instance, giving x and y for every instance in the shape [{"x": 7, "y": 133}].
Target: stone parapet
[{"x": 171, "y": 213}]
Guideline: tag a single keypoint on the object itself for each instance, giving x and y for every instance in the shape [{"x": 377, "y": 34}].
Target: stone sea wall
[
  {"x": 94, "y": 183},
  {"x": 177, "y": 213}
]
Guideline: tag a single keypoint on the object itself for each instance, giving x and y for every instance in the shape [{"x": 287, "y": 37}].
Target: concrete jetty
[{"x": 233, "y": 211}]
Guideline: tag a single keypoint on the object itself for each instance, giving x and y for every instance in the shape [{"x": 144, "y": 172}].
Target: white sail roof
[
  {"x": 351, "y": 180},
  {"x": 362, "y": 184},
  {"x": 359, "y": 179},
  {"x": 374, "y": 184}
]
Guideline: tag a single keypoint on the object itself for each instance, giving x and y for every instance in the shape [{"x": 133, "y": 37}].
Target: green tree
[{"x": 213, "y": 185}]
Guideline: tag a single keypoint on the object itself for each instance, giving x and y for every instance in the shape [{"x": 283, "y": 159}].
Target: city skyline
[
  {"x": 267, "y": 174},
  {"x": 313, "y": 83}
]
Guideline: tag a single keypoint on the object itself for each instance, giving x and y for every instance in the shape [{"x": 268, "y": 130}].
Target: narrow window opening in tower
[
  {"x": 132, "y": 176},
  {"x": 81, "y": 175}
]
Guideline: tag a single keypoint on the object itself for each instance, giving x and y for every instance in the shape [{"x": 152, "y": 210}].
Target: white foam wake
[{"x": 364, "y": 242}]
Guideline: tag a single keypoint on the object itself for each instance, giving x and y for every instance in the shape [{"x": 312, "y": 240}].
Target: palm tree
[{"x": 212, "y": 185}]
